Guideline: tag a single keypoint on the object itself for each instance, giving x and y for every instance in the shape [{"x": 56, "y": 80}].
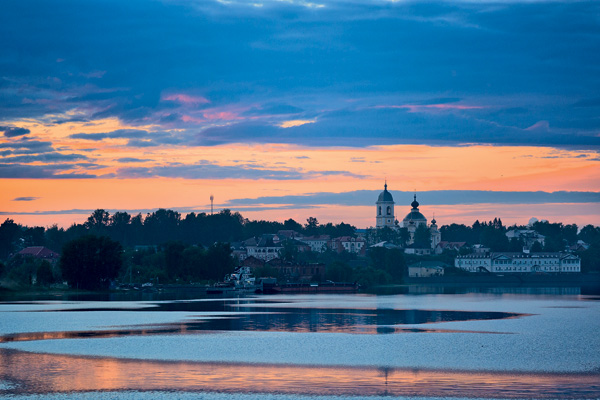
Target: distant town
[{"x": 165, "y": 248}]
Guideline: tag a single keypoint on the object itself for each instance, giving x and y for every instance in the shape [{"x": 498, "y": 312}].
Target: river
[{"x": 492, "y": 344}]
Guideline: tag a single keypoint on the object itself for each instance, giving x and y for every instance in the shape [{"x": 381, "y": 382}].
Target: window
[
  {"x": 379, "y": 210},
  {"x": 389, "y": 210}
]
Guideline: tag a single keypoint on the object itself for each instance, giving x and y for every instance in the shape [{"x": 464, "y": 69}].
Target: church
[{"x": 414, "y": 219}]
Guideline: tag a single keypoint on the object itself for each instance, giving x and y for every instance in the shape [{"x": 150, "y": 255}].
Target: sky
[{"x": 290, "y": 109}]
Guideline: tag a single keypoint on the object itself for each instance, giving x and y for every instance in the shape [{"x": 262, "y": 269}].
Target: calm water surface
[{"x": 470, "y": 345}]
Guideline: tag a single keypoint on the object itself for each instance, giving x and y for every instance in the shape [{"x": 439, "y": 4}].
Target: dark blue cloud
[
  {"x": 207, "y": 170},
  {"x": 118, "y": 134},
  {"x": 428, "y": 198},
  {"x": 25, "y": 198},
  {"x": 118, "y": 59},
  {"x": 26, "y": 171},
  {"x": 45, "y": 157},
  {"x": 25, "y": 146},
  {"x": 12, "y": 131}
]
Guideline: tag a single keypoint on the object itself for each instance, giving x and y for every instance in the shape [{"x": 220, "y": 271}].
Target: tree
[
  {"x": 9, "y": 233},
  {"x": 516, "y": 245},
  {"x": 174, "y": 260},
  {"x": 423, "y": 237},
  {"x": 91, "y": 262},
  {"x": 589, "y": 233},
  {"x": 312, "y": 226},
  {"x": 291, "y": 225},
  {"x": 44, "y": 274},
  {"x": 119, "y": 226},
  {"x": 536, "y": 247},
  {"x": 98, "y": 221}
]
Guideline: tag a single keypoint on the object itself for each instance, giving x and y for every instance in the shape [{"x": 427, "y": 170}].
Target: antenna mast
[{"x": 211, "y": 204}]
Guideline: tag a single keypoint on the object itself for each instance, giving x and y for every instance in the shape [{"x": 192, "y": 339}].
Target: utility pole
[{"x": 211, "y": 204}]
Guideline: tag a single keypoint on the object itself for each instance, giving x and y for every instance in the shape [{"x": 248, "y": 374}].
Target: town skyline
[{"x": 300, "y": 109}]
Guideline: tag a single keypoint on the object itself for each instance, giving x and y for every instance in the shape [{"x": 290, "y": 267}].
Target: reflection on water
[
  {"x": 265, "y": 317},
  {"x": 44, "y": 373}
]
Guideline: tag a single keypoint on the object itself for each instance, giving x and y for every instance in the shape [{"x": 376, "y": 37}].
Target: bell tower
[{"x": 385, "y": 209}]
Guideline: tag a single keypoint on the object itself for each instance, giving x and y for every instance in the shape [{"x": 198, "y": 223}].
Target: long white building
[{"x": 519, "y": 262}]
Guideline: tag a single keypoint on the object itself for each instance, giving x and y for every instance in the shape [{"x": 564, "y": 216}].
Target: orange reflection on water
[{"x": 45, "y": 373}]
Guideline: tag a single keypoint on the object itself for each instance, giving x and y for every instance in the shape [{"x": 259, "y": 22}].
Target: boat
[{"x": 240, "y": 281}]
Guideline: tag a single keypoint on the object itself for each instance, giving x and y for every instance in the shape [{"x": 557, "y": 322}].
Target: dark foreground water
[{"x": 471, "y": 345}]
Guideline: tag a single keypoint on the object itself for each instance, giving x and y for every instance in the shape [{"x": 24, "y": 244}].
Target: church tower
[
  {"x": 385, "y": 209},
  {"x": 436, "y": 235}
]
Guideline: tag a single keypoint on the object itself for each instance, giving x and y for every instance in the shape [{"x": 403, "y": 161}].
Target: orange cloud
[{"x": 296, "y": 122}]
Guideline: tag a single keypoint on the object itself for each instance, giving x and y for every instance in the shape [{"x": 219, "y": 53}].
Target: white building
[
  {"x": 385, "y": 209},
  {"x": 264, "y": 248},
  {"x": 519, "y": 262},
  {"x": 318, "y": 244},
  {"x": 349, "y": 244},
  {"x": 426, "y": 269}
]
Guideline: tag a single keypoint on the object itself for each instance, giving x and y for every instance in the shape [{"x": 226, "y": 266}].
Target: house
[
  {"x": 252, "y": 262},
  {"x": 527, "y": 236},
  {"x": 41, "y": 253},
  {"x": 349, "y": 244},
  {"x": 293, "y": 272},
  {"x": 425, "y": 269},
  {"x": 318, "y": 244},
  {"x": 418, "y": 251},
  {"x": 453, "y": 246},
  {"x": 263, "y": 248}
]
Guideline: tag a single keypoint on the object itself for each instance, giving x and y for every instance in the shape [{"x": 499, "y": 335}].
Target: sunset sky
[{"x": 289, "y": 109}]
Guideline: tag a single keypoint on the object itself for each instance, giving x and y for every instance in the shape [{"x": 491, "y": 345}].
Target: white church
[{"x": 414, "y": 219}]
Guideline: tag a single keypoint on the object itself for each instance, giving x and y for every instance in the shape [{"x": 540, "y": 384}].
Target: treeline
[
  {"x": 157, "y": 228},
  {"x": 492, "y": 234}
]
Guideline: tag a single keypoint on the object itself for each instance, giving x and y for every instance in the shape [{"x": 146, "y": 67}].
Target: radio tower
[{"x": 211, "y": 204}]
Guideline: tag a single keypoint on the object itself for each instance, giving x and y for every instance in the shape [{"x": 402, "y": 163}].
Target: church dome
[
  {"x": 415, "y": 203},
  {"x": 415, "y": 215},
  {"x": 385, "y": 195}
]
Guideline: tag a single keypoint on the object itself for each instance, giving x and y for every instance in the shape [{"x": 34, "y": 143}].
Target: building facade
[{"x": 519, "y": 262}]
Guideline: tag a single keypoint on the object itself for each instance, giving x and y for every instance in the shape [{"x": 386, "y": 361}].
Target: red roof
[{"x": 39, "y": 252}]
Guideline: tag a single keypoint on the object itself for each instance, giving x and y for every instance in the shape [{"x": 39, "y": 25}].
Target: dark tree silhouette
[{"x": 91, "y": 262}]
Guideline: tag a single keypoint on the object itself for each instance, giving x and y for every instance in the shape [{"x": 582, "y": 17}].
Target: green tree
[
  {"x": 98, "y": 222},
  {"x": 219, "y": 261},
  {"x": 515, "y": 245},
  {"x": 312, "y": 226},
  {"x": 290, "y": 224},
  {"x": 9, "y": 234},
  {"x": 423, "y": 237},
  {"x": 44, "y": 274},
  {"x": 91, "y": 262},
  {"x": 536, "y": 247},
  {"x": 589, "y": 233},
  {"x": 174, "y": 260},
  {"x": 389, "y": 260},
  {"x": 338, "y": 272},
  {"x": 590, "y": 259}
]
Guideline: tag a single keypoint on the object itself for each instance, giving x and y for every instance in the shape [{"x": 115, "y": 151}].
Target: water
[{"x": 469, "y": 345}]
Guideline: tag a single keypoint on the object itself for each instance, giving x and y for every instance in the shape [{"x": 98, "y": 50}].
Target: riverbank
[{"x": 590, "y": 280}]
